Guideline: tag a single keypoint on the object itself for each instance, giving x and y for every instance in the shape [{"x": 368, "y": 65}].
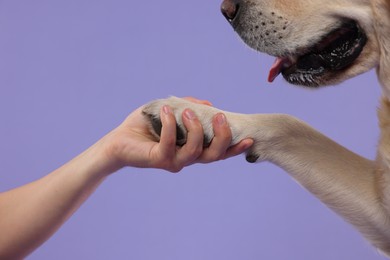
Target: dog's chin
[{"x": 326, "y": 60}]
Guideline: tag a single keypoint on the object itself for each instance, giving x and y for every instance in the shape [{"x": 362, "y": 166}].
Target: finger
[
  {"x": 221, "y": 141},
  {"x": 239, "y": 148},
  {"x": 167, "y": 145},
  {"x": 194, "y": 145},
  {"x": 198, "y": 101}
]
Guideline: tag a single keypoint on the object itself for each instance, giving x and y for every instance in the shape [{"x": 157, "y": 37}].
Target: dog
[{"x": 316, "y": 43}]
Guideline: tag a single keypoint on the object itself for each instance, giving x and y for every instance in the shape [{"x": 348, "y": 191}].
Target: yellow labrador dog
[{"x": 315, "y": 43}]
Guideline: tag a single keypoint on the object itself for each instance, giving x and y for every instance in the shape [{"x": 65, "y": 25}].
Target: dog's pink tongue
[{"x": 276, "y": 68}]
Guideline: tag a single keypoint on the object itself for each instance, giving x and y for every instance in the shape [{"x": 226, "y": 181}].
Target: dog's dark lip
[{"x": 334, "y": 52}]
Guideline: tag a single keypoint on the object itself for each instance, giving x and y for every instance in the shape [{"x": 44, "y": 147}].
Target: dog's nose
[{"x": 229, "y": 9}]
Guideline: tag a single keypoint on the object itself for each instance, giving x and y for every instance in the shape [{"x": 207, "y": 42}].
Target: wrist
[{"x": 109, "y": 149}]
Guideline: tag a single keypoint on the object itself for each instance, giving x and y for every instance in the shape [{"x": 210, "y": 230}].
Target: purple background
[{"x": 70, "y": 71}]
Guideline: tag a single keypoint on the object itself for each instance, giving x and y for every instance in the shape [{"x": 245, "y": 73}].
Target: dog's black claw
[{"x": 251, "y": 158}]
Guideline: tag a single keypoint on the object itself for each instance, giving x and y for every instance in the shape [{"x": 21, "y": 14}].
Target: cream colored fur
[{"x": 356, "y": 188}]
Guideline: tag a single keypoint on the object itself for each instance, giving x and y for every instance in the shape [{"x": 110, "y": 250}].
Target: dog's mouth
[{"x": 335, "y": 52}]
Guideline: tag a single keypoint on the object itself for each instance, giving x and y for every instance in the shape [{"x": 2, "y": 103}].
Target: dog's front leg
[
  {"x": 349, "y": 184},
  {"x": 343, "y": 180}
]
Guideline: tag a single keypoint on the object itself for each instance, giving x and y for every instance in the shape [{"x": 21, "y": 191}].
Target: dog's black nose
[{"x": 229, "y": 9}]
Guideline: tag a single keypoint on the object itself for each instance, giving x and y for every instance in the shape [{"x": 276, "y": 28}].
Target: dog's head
[{"x": 316, "y": 42}]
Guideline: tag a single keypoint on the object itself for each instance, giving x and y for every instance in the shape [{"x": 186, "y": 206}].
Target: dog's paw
[
  {"x": 251, "y": 156},
  {"x": 204, "y": 113},
  {"x": 270, "y": 132}
]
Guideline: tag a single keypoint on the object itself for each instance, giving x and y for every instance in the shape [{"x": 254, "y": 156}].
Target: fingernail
[
  {"x": 248, "y": 144},
  {"x": 167, "y": 110},
  {"x": 221, "y": 119},
  {"x": 208, "y": 103},
  {"x": 189, "y": 114}
]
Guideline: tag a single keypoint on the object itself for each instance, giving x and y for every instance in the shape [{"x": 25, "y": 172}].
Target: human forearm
[{"x": 32, "y": 213}]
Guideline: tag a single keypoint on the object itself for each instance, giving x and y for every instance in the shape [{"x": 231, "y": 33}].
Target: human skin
[{"x": 30, "y": 214}]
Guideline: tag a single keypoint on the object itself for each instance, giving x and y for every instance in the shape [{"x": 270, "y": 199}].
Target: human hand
[{"x": 132, "y": 144}]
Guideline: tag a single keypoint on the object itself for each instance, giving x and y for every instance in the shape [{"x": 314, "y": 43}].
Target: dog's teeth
[{"x": 302, "y": 78}]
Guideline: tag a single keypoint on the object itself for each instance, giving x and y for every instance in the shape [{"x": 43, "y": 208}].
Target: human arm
[{"x": 30, "y": 214}]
